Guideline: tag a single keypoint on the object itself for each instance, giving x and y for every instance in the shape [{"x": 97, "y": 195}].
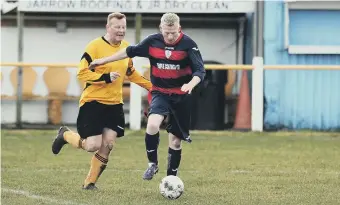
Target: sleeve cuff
[
  {"x": 107, "y": 78},
  {"x": 201, "y": 76},
  {"x": 129, "y": 52}
]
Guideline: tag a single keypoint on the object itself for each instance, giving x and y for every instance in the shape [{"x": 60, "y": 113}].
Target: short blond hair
[
  {"x": 170, "y": 19},
  {"x": 116, "y": 15}
]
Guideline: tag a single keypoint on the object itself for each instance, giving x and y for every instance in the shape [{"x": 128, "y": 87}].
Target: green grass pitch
[{"x": 217, "y": 168}]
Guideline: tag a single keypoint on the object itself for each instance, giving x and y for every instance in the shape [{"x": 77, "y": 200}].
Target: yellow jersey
[{"x": 98, "y": 83}]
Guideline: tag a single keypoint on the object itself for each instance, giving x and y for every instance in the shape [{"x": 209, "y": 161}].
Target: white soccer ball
[{"x": 171, "y": 187}]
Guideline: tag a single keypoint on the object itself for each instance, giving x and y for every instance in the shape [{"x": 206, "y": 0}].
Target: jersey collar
[
  {"x": 178, "y": 39},
  {"x": 113, "y": 45}
]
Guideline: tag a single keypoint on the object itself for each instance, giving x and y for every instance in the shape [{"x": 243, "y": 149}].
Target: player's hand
[
  {"x": 95, "y": 63},
  {"x": 187, "y": 88},
  {"x": 114, "y": 76}
]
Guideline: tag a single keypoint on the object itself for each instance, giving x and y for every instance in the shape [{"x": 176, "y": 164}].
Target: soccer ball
[{"x": 171, "y": 187}]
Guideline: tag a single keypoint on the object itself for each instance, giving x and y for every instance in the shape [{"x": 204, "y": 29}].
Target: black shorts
[
  {"x": 177, "y": 108},
  {"x": 93, "y": 117}
]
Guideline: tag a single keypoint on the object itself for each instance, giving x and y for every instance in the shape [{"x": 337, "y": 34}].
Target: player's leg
[
  {"x": 109, "y": 140},
  {"x": 90, "y": 125},
  {"x": 151, "y": 144},
  {"x": 178, "y": 128},
  {"x": 97, "y": 164},
  {"x": 174, "y": 154},
  {"x": 99, "y": 159},
  {"x": 86, "y": 126},
  {"x": 64, "y": 136},
  {"x": 92, "y": 143},
  {"x": 113, "y": 123},
  {"x": 158, "y": 109}
]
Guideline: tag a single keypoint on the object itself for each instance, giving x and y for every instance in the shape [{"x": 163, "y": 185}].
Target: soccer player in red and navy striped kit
[{"x": 176, "y": 68}]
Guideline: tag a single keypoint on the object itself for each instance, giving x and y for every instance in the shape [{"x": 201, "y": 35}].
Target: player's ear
[{"x": 180, "y": 29}]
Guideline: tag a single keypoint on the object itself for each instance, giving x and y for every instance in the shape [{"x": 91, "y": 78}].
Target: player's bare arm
[{"x": 188, "y": 87}]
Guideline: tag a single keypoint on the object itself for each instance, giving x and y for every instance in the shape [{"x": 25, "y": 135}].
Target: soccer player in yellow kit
[{"x": 101, "y": 118}]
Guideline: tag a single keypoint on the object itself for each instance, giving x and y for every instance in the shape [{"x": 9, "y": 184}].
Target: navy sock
[
  {"x": 174, "y": 159},
  {"x": 151, "y": 144}
]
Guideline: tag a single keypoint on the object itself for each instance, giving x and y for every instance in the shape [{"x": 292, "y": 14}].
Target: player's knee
[
  {"x": 154, "y": 122},
  {"x": 152, "y": 128},
  {"x": 109, "y": 138},
  {"x": 174, "y": 142},
  {"x": 93, "y": 144},
  {"x": 108, "y": 144}
]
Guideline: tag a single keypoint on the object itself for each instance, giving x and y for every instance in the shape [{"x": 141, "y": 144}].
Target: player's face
[
  {"x": 170, "y": 33},
  {"x": 117, "y": 29}
]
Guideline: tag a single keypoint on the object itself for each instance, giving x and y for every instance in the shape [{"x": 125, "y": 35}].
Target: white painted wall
[{"x": 45, "y": 45}]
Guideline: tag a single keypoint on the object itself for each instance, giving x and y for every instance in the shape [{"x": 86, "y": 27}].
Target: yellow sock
[
  {"x": 98, "y": 164},
  {"x": 73, "y": 139}
]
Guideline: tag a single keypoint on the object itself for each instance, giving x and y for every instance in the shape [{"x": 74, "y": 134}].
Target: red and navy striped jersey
[{"x": 171, "y": 65}]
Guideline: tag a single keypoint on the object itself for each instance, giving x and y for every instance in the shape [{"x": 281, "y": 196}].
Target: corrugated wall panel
[{"x": 297, "y": 99}]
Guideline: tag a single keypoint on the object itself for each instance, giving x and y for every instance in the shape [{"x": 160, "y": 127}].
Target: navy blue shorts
[{"x": 177, "y": 108}]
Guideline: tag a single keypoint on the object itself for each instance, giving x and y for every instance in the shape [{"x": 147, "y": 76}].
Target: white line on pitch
[{"x": 38, "y": 197}]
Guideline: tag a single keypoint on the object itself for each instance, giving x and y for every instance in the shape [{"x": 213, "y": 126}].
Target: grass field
[{"x": 217, "y": 168}]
